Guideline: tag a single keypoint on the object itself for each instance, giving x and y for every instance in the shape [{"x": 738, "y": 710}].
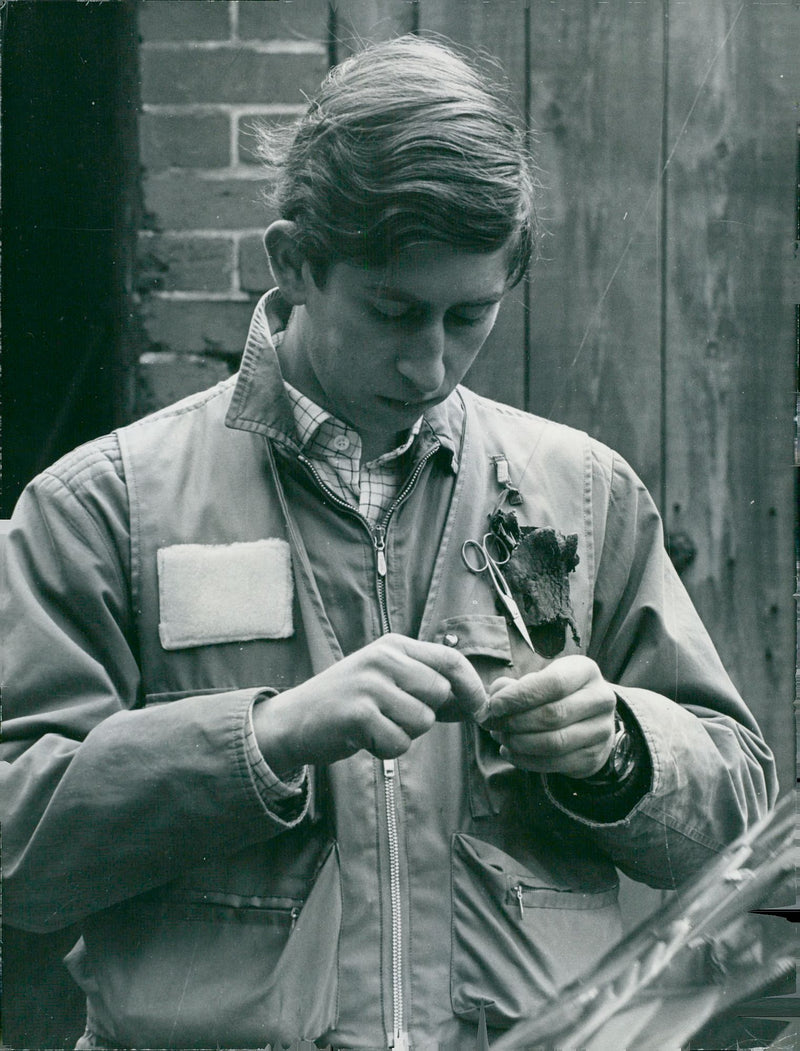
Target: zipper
[
  {"x": 398, "y": 1039},
  {"x": 379, "y": 543},
  {"x": 376, "y": 533},
  {"x": 379, "y": 538},
  {"x": 518, "y": 893}
]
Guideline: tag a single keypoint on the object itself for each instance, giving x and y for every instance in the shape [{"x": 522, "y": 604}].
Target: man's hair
[{"x": 404, "y": 143}]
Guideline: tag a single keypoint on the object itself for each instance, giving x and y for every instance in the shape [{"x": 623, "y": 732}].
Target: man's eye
[
  {"x": 469, "y": 317},
  {"x": 391, "y": 311}
]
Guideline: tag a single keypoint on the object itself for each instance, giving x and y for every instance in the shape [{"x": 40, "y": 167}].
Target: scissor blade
[
  {"x": 516, "y": 616},
  {"x": 502, "y": 589}
]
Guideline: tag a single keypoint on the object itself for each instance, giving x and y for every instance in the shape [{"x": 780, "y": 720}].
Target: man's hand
[
  {"x": 558, "y": 720},
  {"x": 379, "y": 698}
]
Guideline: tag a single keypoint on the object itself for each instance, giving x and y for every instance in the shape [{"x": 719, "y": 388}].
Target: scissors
[{"x": 478, "y": 558}]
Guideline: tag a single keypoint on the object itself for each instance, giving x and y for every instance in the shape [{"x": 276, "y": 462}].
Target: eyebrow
[{"x": 407, "y": 297}]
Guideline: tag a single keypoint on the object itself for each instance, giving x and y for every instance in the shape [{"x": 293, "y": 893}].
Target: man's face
[{"x": 377, "y": 347}]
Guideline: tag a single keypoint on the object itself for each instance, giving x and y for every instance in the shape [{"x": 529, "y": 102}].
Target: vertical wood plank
[
  {"x": 495, "y": 28},
  {"x": 596, "y": 73},
  {"x": 734, "y": 86}
]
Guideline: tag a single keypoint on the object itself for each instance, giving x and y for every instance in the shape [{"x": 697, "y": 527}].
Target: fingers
[
  {"x": 581, "y": 763},
  {"x": 562, "y": 678},
  {"x": 384, "y": 738},
  {"x": 438, "y": 675},
  {"x": 421, "y": 681},
  {"x": 405, "y": 711},
  {"x": 555, "y": 716},
  {"x": 553, "y": 745},
  {"x": 558, "y": 720}
]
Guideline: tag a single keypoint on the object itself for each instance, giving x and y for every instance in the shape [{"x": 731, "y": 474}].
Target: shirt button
[
  {"x": 341, "y": 442},
  {"x": 450, "y": 639}
]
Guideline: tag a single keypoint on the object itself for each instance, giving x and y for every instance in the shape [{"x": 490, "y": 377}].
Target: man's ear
[{"x": 286, "y": 261}]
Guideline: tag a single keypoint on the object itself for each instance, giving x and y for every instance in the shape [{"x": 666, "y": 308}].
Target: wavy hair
[{"x": 404, "y": 143}]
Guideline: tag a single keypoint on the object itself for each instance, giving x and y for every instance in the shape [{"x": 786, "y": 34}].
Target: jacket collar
[{"x": 260, "y": 403}]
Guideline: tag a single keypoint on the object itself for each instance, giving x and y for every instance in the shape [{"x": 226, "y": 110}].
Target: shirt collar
[
  {"x": 261, "y": 404},
  {"x": 315, "y": 426}
]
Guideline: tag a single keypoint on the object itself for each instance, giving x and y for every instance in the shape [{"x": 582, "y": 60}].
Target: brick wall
[{"x": 208, "y": 68}]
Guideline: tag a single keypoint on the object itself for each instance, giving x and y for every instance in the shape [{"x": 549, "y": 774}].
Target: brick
[
  {"x": 254, "y": 271},
  {"x": 245, "y": 136},
  {"x": 283, "y": 20},
  {"x": 183, "y": 201},
  {"x": 184, "y": 20},
  {"x": 197, "y": 327},
  {"x": 198, "y": 264},
  {"x": 185, "y": 141},
  {"x": 234, "y": 75},
  {"x": 162, "y": 379}
]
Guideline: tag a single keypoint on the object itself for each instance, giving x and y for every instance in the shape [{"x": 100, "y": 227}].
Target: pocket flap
[
  {"x": 510, "y": 882},
  {"x": 477, "y": 635}
]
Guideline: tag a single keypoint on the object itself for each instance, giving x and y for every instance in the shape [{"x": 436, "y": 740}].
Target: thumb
[
  {"x": 500, "y": 683},
  {"x": 467, "y": 695},
  {"x": 485, "y": 714}
]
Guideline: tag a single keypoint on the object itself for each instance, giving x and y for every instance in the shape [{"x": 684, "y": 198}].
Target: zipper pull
[
  {"x": 294, "y": 914},
  {"x": 400, "y": 1042},
  {"x": 388, "y": 769},
  {"x": 518, "y": 891},
  {"x": 379, "y": 542}
]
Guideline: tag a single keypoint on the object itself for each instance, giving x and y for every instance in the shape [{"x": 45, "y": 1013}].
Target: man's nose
[{"x": 422, "y": 364}]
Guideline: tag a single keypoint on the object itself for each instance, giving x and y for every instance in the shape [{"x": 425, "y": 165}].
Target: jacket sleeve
[
  {"x": 712, "y": 773},
  {"x": 101, "y": 799}
]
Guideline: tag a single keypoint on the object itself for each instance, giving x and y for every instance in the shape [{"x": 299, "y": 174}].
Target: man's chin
[{"x": 411, "y": 410}]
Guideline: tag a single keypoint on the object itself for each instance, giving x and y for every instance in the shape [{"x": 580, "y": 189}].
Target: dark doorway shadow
[{"x": 68, "y": 177}]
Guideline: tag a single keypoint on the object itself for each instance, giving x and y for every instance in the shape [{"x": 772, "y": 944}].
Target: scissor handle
[
  {"x": 502, "y": 551},
  {"x": 477, "y": 562}
]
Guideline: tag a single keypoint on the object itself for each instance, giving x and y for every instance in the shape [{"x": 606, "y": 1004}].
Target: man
[{"x": 336, "y": 693}]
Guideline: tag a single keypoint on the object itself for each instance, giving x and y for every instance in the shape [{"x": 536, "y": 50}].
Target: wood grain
[
  {"x": 734, "y": 86},
  {"x": 596, "y": 100}
]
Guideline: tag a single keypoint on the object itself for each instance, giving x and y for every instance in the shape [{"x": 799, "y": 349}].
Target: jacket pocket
[
  {"x": 216, "y": 969},
  {"x": 518, "y": 935}
]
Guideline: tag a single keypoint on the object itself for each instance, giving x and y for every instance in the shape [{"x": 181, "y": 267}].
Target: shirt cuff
[{"x": 284, "y": 798}]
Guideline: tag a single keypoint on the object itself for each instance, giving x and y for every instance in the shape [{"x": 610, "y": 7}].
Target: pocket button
[{"x": 450, "y": 639}]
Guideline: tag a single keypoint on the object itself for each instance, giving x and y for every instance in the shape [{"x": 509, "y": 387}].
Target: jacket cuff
[
  {"x": 612, "y": 802},
  {"x": 285, "y": 800}
]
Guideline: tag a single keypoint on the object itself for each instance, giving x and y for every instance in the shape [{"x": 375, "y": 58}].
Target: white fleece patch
[{"x": 212, "y": 593}]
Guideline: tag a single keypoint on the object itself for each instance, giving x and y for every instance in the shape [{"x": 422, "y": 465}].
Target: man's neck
[
  {"x": 301, "y": 379},
  {"x": 373, "y": 443}
]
